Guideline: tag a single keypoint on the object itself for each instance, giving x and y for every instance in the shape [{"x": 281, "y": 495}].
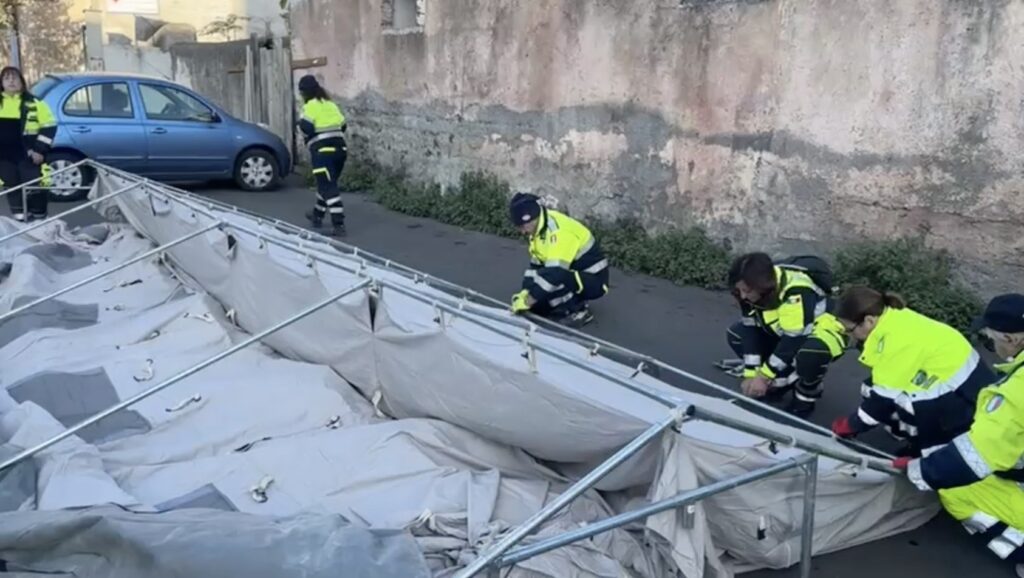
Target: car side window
[
  {"x": 102, "y": 100},
  {"x": 167, "y": 103}
]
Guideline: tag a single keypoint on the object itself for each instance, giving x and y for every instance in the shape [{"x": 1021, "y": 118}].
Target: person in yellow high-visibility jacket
[
  {"x": 925, "y": 375},
  {"x": 27, "y": 129},
  {"x": 786, "y": 336},
  {"x": 324, "y": 125},
  {"x": 567, "y": 267},
  {"x": 979, "y": 475}
]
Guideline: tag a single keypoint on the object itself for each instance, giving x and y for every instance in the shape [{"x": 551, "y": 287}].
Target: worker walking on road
[
  {"x": 786, "y": 336},
  {"x": 925, "y": 375},
  {"x": 323, "y": 125},
  {"x": 567, "y": 268},
  {"x": 979, "y": 474},
  {"x": 27, "y": 128}
]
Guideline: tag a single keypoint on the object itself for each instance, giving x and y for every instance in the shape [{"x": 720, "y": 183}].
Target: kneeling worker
[
  {"x": 567, "y": 268},
  {"x": 786, "y": 336},
  {"x": 925, "y": 375},
  {"x": 979, "y": 476}
]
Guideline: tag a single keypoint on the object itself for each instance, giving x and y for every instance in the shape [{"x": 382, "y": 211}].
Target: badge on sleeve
[{"x": 993, "y": 404}]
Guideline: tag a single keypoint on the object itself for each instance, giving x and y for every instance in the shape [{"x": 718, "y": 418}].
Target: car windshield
[{"x": 44, "y": 85}]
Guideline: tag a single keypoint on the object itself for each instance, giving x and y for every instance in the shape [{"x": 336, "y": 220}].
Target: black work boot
[
  {"x": 800, "y": 407},
  {"x": 316, "y": 220},
  {"x": 338, "y": 230}
]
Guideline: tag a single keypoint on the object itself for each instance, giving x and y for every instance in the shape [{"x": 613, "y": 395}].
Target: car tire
[
  {"x": 257, "y": 170},
  {"x": 75, "y": 179}
]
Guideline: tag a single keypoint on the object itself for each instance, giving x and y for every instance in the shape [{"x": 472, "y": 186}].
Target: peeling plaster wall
[{"x": 784, "y": 124}]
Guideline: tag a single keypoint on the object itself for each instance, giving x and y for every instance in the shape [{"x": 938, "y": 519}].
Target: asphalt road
[{"x": 679, "y": 325}]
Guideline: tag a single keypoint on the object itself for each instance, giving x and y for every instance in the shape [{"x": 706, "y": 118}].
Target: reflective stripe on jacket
[
  {"x": 560, "y": 249},
  {"x": 321, "y": 120},
  {"x": 925, "y": 377},
  {"x": 993, "y": 446},
  {"x": 801, "y": 305},
  {"x": 38, "y": 125}
]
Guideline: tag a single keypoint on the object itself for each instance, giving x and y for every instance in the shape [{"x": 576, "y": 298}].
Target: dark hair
[
  {"x": 856, "y": 303},
  {"x": 25, "y": 94},
  {"x": 756, "y": 270},
  {"x": 316, "y": 93}
]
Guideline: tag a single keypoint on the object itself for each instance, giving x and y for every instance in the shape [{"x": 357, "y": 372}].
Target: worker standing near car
[
  {"x": 27, "y": 129},
  {"x": 925, "y": 375},
  {"x": 786, "y": 336},
  {"x": 323, "y": 125},
  {"x": 567, "y": 267},
  {"x": 979, "y": 475}
]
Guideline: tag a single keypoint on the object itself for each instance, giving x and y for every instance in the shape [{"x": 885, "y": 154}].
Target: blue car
[{"x": 154, "y": 128}]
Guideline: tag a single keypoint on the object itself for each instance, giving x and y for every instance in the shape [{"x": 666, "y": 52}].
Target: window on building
[
  {"x": 167, "y": 103},
  {"x": 403, "y": 14},
  {"x": 104, "y": 100}
]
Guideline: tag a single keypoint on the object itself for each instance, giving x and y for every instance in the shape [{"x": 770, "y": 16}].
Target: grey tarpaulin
[
  {"x": 378, "y": 412},
  {"x": 203, "y": 543}
]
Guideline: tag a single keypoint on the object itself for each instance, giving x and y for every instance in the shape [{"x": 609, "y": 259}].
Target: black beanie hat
[
  {"x": 308, "y": 83},
  {"x": 524, "y": 208}
]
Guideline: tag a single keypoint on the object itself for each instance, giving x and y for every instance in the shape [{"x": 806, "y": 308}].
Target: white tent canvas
[{"x": 385, "y": 435}]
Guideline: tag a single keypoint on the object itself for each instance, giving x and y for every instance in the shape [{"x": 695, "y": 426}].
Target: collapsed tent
[{"x": 398, "y": 431}]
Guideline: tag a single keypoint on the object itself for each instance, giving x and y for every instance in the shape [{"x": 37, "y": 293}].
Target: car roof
[{"x": 96, "y": 74}]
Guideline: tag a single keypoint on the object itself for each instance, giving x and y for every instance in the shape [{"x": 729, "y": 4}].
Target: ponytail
[
  {"x": 856, "y": 303},
  {"x": 893, "y": 300},
  {"x": 316, "y": 93}
]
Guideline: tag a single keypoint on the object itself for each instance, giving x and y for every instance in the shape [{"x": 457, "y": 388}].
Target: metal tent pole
[
  {"x": 59, "y": 216},
  {"x": 807, "y": 529},
  {"x": 40, "y": 179},
  {"x": 675, "y": 502},
  {"x": 191, "y": 200},
  {"x": 110, "y": 271},
  {"x": 180, "y": 376},
  {"x": 555, "y": 328},
  {"x": 560, "y": 331},
  {"x": 739, "y": 397},
  {"x": 661, "y": 397},
  {"x": 770, "y": 434},
  {"x": 636, "y": 387},
  {"x": 587, "y": 482}
]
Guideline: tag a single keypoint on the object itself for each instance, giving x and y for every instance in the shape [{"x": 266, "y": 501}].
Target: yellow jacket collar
[
  {"x": 1010, "y": 366},
  {"x": 542, "y": 226},
  {"x": 875, "y": 343}
]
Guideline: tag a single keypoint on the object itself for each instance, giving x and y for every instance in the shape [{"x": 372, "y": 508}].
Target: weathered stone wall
[{"x": 784, "y": 124}]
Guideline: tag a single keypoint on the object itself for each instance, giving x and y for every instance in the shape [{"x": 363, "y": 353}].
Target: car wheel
[
  {"x": 256, "y": 170},
  {"x": 72, "y": 184}
]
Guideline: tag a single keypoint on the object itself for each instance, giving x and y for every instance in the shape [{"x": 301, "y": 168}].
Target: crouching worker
[
  {"x": 925, "y": 375},
  {"x": 786, "y": 336},
  {"x": 979, "y": 476},
  {"x": 567, "y": 268}
]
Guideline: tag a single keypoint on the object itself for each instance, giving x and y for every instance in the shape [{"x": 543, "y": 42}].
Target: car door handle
[
  {"x": 81, "y": 129},
  {"x": 159, "y": 130}
]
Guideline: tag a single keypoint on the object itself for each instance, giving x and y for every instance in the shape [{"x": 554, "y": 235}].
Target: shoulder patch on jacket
[
  {"x": 993, "y": 404},
  {"x": 794, "y": 299}
]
